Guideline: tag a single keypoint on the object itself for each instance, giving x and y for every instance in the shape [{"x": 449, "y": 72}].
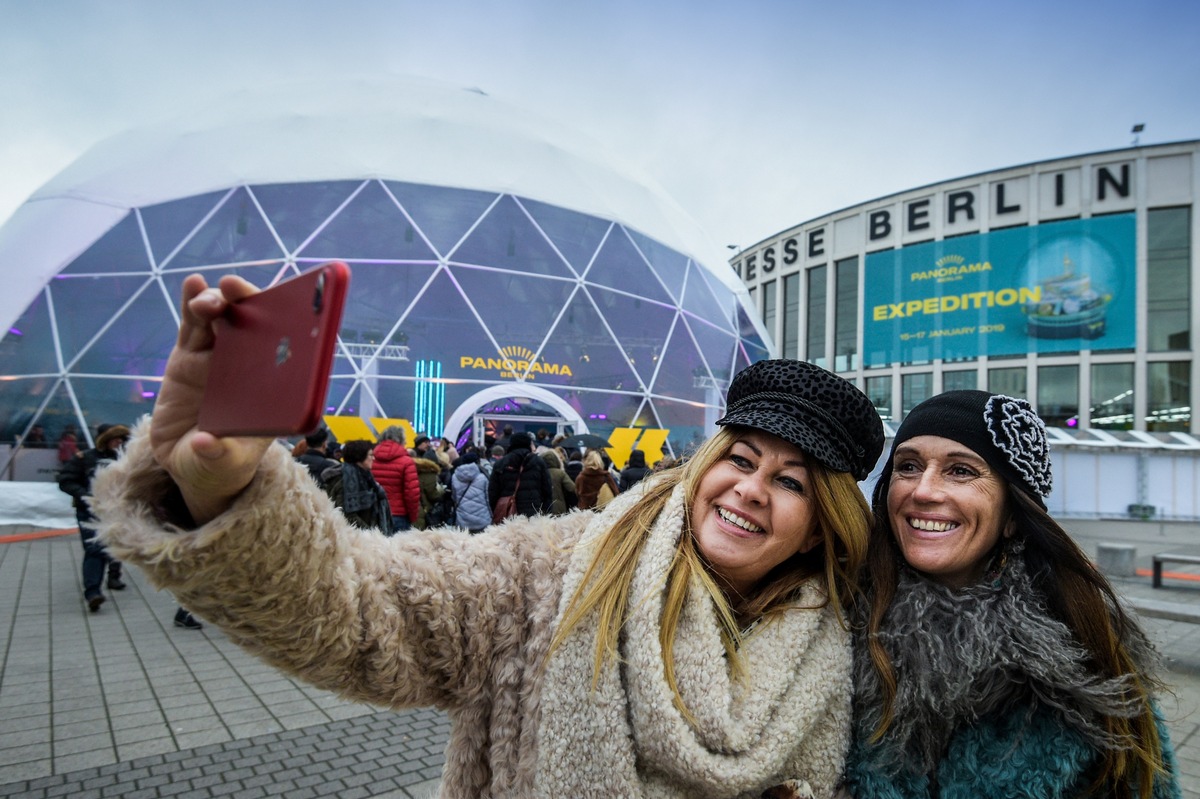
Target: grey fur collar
[{"x": 993, "y": 648}]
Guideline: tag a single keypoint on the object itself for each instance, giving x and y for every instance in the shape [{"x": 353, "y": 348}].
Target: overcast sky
[{"x": 753, "y": 115}]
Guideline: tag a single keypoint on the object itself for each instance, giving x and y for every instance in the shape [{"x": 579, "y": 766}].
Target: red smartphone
[{"x": 272, "y": 356}]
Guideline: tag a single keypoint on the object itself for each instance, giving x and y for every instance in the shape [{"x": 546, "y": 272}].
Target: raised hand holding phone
[{"x": 209, "y": 470}]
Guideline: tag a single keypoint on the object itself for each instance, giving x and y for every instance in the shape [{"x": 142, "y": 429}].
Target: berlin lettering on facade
[{"x": 1112, "y": 181}]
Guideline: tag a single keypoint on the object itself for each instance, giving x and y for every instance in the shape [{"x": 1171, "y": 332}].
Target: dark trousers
[{"x": 96, "y": 561}]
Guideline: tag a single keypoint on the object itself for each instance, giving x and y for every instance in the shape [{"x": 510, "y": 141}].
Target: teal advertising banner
[{"x": 1054, "y": 287}]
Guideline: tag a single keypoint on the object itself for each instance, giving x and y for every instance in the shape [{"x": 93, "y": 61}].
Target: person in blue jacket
[{"x": 991, "y": 657}]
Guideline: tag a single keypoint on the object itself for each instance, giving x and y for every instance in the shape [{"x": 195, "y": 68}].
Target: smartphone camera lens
[{"x": 319, "y": 293}]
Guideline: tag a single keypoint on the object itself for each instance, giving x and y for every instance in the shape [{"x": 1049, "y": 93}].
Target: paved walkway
[{"x": 122, "y": 703}]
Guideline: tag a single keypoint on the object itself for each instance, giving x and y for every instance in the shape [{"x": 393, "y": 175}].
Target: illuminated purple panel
[
  {"x": 670, "y": 265},
  {"x": 619, "y": 266},
  {"x": 575, "y": 235},
  {"x": 443, "y": 215},
  {"x": 517, "y": 308}
]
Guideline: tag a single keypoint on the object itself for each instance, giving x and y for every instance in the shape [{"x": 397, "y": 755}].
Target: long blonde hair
[{"x": 841, "y": 514}]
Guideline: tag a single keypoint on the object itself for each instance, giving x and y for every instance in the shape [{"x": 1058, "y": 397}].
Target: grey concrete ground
[{"x": 122, "y": 703}]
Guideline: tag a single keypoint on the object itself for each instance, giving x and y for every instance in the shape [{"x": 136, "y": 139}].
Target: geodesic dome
[{"x": 487, "y": 249}]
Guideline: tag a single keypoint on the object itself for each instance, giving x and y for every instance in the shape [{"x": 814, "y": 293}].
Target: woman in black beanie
[{"x": 992, "y": 658}]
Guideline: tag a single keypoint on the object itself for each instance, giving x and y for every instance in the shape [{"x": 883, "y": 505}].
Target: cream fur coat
[{"x": 463, "y": 623}]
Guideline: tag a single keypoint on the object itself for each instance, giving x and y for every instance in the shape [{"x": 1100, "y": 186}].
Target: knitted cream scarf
[{"x": 628, "y": 739}]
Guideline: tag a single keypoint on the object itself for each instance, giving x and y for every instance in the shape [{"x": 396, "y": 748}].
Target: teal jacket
[{"x": 1007, "y": 756}]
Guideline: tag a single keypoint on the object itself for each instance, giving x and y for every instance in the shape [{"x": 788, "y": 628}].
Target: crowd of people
[
  {"x": 389, "y": 487},
  {"x": 744, "y": 624}
]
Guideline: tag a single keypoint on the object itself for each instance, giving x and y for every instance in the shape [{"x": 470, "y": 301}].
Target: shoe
[
  {"x": 95, "y": 601},
  {"x": 115, "y": 584},
  {"x": 187, "y": 621}
]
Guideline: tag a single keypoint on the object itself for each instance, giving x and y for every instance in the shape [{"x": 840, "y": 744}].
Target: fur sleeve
[{"x": 429, "y": 618}]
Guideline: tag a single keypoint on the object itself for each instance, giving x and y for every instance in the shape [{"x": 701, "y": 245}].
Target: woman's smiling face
[
  {"x": 754, "y": 509},
  {"x": 946, "y": 507}
]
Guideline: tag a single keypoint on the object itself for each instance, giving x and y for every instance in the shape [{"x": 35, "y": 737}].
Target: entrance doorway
[{"x": 527, "y": 408}]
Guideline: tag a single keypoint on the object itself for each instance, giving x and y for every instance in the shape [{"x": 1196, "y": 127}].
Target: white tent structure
[{"x": 488, "y": 247}]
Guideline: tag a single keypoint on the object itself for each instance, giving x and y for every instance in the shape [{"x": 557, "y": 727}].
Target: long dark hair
[{"x": 1077, "y": 595}]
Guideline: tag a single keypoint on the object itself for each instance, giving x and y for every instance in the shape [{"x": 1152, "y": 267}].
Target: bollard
[{"x": 1116, "y": 560}]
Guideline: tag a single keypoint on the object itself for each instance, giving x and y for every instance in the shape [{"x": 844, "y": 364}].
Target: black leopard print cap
[{"x": 819, "y": 412}]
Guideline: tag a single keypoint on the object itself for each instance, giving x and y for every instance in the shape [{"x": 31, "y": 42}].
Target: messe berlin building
[{"x": 1068, "y": 282}]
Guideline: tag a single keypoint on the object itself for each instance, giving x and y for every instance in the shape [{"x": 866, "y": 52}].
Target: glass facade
[
  {"x": 817, "y": 288},
  {"x": 960, "y": 380},
  {"x": 1168, "y": 400},
  {"x": 1168, "y": 279},
  {"x": 769, "y": 304},
  {"x": 1111, "y": 406},
  {"x": 1058, "y": 395},
  {"x": 1009, "y": 380},
  {"x": 477, "y": 289},
  {"x": 879, "y": 391},
  {"x": 914, "y": 389},
  {"x": 790, "y": 336},
  {"x": 845, "y": 320}
]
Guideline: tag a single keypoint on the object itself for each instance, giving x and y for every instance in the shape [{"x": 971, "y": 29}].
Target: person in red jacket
[{"x": 395, "y": 471}]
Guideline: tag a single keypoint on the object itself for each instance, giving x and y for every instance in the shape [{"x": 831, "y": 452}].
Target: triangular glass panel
[
  {"x": 19, "y": 402},
  {"x": 168, "y": 224},
  {"x": 575, "y": 235},
  {"x": 619, "y": 266},
  {"x": 444, "y": 215},
  {"x": 370, "y": 227},
  {"x": 506, "y": 239},
  {"x": 686, "y": 370},
  {"x": 263, "y": 275},
  {"x": 699, "y": 300},
  {"x": 114, "y": 400},
  {"x": 514, "y": 307},
  {"x": 121, "y": 249},
  {"x": 341, "y": 394},
  {"x": 716, "y": 346},
  {"x": 27, "y": 347},
  {"x": 581, "y": 351},
  {"x": 641, "y": 325},
  {"x": 235, "y": 233},
  {"x": 441, "y": 327},
  {"x": 670, "y": 265},
  {"x": 83, "y": 305},
  {"x": 604, "y": 411},
  {"x": 747, "y": 331},
  {"x": 137, "y": 342},
  {"x": 685, "y": 420},
  {"x": 379, "y": 294},
  {"x": 296, "y": 210}
]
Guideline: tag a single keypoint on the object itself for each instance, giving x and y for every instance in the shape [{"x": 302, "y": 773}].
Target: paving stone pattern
[{"x": 121, "y": 703}]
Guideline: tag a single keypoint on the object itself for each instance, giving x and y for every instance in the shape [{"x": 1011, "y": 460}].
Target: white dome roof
[{"x": 409, "y": 130}]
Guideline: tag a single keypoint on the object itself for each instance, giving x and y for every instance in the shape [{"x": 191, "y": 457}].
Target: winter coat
[
  {"x": 470, "y": 490},
  {"x": 316, "y": 463},
  {"x": 464, "y": 623},
  {"x": 360, "y": 498},
  {"x": 534, "y": 494},
  {"x": 588, "y": 485},
  {"x": 395, "y": 471},
  {"x": 1009, "y": 755},
  {"x": 428, "y": 473},
  {"x": 75, "y": 478},
  {"x": 562, "y": 488},
  {"x": 635, "y": 471}
]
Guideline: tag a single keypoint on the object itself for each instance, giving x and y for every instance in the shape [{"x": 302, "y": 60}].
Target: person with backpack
[{"x": 523, "y": 476}]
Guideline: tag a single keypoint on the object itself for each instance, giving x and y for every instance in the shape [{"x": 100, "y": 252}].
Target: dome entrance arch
[{"x": 482, "y": 406}]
